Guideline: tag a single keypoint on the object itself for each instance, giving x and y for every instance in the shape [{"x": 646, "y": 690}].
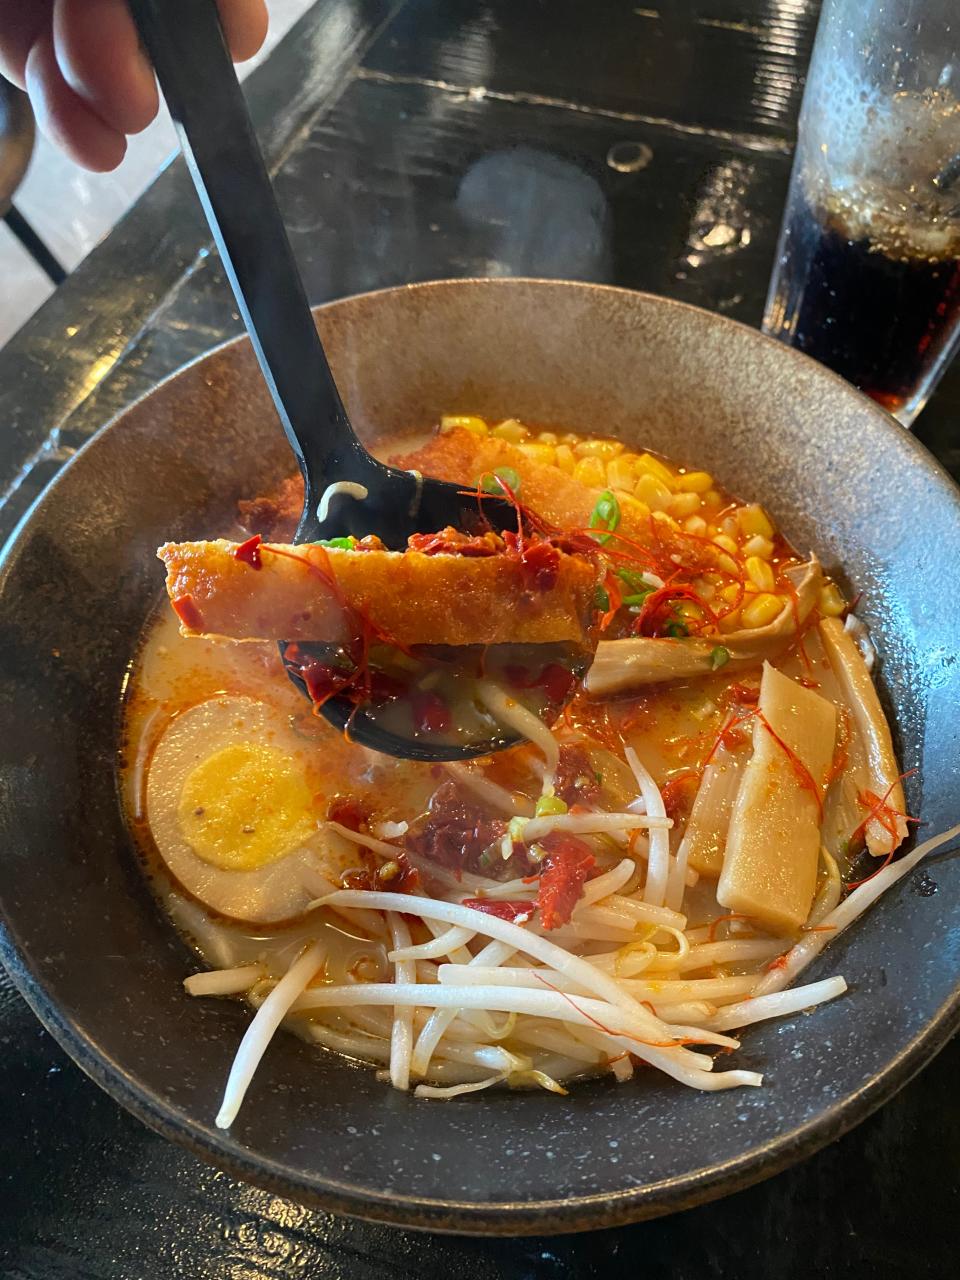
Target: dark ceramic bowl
[{"x": 102, "y": 966}]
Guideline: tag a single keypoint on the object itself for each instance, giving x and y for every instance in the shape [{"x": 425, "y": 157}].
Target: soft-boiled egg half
[{"x": 234, "y": 815}]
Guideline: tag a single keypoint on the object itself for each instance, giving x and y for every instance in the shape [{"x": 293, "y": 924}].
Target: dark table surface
[{"x": 414, "y": 139}]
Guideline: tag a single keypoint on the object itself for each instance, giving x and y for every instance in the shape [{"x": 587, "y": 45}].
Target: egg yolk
[{"x": 244, "y": 807}]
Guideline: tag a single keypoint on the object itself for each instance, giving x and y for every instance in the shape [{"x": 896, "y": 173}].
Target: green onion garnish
[
  {"x": 632, "y": 578},
  {"x": 490, "y": 482},
  {"x": 719, "y": 657},
  {"x": 600, "y": 599},
  {"x": 605, "y": 515},
  {"x": 341, "y": 544},
  {"x": 638, "y": 598},
  {"x": 676, "y": 630}
]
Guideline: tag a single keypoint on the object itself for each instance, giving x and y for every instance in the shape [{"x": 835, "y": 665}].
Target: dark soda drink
[
  {"x": 867, "y": 277},
  {"x": 881, "y": 316}
]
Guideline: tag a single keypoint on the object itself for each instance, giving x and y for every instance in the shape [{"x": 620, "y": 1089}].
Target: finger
[
  {"x": 65, "y": 118},
  {"x": 244, "y": 24},
  {"x": 21, "y": 22},
  {"x": 101, "y": 60}
]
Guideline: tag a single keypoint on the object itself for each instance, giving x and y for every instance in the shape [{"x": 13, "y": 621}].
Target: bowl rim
[{"x": 501, "y": 1217}]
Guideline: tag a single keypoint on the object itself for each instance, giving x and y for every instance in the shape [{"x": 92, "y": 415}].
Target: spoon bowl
[{"x": 346, "y": 490}]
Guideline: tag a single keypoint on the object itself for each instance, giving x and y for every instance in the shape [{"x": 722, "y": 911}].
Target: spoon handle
[{"x": 185, "y": 42}]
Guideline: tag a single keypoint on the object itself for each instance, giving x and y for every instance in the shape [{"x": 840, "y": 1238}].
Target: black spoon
[{"x": 186, "y": 45}]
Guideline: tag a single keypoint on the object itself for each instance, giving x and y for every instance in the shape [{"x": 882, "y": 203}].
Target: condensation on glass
[{"x": 867, "y": 277}]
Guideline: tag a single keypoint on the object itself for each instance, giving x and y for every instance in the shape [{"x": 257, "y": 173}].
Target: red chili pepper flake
[
  {"x": 747, "y": 694},
  {"x": 451, "y": 542},
  {"x": 430, "y": 713},
  {"x": 731, "y": 915},
  {"x": 539, "y": 560},
  {"x": 658, "y": 607},
  {"x": 563, "y": 872},
  {"x": 348, "y": 812},
  {"x": 384, "y": 688},
  {"x": 658, "y": 1044},
  {"x": 841, "y": 751},
  {"x": 515, "y": 912},
  {"x": 881, "y": 811},
  {"x": 186, "y": 610},
  {"x": 677, "y": 791},
  {"x": 322, "y": 680},
  {"x": 396, "y": 875},
  {"x": 555, "y": 680},
  {"x": 611, "y": 585},
  {"x": 249, "y": 552},
  {"x": 730, "y": 736},
  {"x": 800, "y": 770}
]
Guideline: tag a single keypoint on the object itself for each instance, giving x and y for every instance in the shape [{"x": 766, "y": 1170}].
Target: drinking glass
[{"x": 867, "y": 276}]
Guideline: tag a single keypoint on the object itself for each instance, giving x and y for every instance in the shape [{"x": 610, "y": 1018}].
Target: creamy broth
[{"x": 217, "y": 740}]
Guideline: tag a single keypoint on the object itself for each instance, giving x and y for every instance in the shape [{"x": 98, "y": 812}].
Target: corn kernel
[
  {"x": 696, "y": 525},
  {"x": 570, "y": 438},
  {"x": 731, "y": 592},
  {"x": 548, "y": 437},
  {"x": 591, "y": 472},
  {"x": 667, "y": 521},
  {"x": 653, "y": 466},
  {"x": 713, "y": 500},
  {"x": 730, "y": 621},
  {"x": 695, "y": 482},
  {"x": 832, "y": 602},
  {"x": 635, "y": 511},
  {"x": 684, "y": 504},
  {"x": 463, "y": 422},
  {"x": 622, "y": 473},
  {"x": 752, "y": 520},
  {"x": 653, "y": 492},
  {"x": 543, "y": 453},
  {"x": 758, "y": 546},
  {"x": 724, "y": 541},
  {"x": 761, "y": 610},
  {"x": 565, "y": 459},
  {"x": 761, "y": 575},
  {"x": 603, "y": 449},
  {"x": 511, "y": 430}
]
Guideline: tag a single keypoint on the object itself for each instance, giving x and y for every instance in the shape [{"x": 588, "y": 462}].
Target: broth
[{"x": 338, "y": 815}]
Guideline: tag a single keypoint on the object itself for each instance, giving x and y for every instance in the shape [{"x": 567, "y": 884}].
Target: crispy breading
[
  {"x": 463, "y": 457},
  {"x": 275, "y": 515},
  {"x": 411, "y": 597}
]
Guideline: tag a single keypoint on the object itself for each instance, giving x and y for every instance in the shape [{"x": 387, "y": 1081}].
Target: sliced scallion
[
  {"x": 605, "y": 515},
  {"x": 490, "y": 482}
]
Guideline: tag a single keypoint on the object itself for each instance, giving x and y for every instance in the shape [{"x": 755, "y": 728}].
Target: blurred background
[{"x": 63, "y": 210}]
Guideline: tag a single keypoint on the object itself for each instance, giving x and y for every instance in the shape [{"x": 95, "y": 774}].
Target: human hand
[{"x": 89, "y": 81}]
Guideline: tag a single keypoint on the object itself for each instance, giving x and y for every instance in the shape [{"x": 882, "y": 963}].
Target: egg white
[{"x": 267, "y": 894}]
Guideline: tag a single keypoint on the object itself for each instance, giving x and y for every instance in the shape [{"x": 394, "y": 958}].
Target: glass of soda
[{"x": 867, "y": 276}]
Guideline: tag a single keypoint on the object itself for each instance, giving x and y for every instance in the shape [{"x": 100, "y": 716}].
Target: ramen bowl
[{"x": 102, "y": 966}]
